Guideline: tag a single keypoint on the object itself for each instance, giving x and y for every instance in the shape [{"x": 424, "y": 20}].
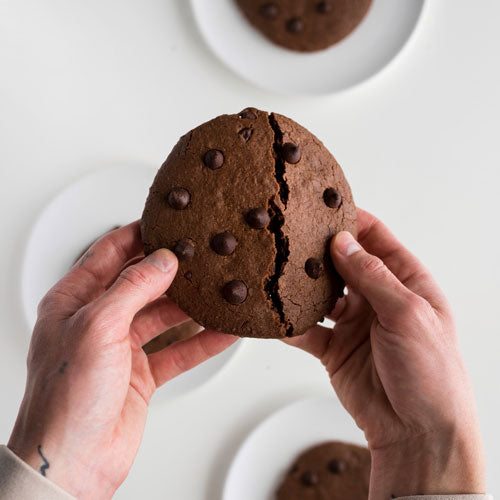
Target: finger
[
  {"x": 155, "y": 318},
  {"x": 138, "y": 285},
  {"x": 338, "y": 309},
  {"x": 314, "y": 341},
  {"x": 186, "y": 354},
  {"x": 378, "y": 240},
  {"x": 95, "y": 270},
  {"x": 131, "y": 262},
  {"x": 334, "y": 346},
  {"x": 368, "y": 275}
]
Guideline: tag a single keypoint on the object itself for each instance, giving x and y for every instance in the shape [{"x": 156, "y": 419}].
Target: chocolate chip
[
  {"x": 269, "y": 10},
  {"x": 291, "y": 153},
  {"x": 337, "y": 466},
  {"x": 223, "y": 243},
  {"x": 235, "y": 292},
  {"x": 293, "y": 470},
  {"x": 184, "y": 249},
  {"x": 332, "y": 198},
  {"x": 245, "y": 134},
  {"x": 314, "y": 268},
  {"x": 179, "y": 198},
  {"x": 309, "y": 478},
  {"x": 247, "y": 113},
  {"x": 324, "y": 7},
  {"x": 258, "y": 218},
  {"x": 295, "y": 25},
  {"x": 188, "y": 275},
  {"x": 213, "y": 159}
]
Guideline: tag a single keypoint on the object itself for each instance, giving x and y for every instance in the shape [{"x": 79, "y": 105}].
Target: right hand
[
  {"x": 394, "y": 362},
  {"x": 89, "y": 380}
]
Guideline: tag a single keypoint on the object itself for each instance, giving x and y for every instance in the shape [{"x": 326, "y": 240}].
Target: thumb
[
  {"x": 369, "y": 276},
  {"x": 141, "y": 283}
]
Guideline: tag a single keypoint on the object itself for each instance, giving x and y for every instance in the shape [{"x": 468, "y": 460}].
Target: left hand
[{"x": 89, "y": 381}]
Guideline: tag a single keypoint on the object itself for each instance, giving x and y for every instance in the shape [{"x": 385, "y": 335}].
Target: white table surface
[{"x": 86, "y": 84}]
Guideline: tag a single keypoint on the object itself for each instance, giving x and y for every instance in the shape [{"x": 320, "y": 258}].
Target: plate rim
[
  {"x": 318, "y": 94},
  {"x": 249, "y": 436},
  {"x": 35, "y": 223}
]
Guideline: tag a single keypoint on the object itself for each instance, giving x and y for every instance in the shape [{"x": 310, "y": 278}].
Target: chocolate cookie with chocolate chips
[
  {"x": 328, "y": 471},
  {"x": 305, "y": 25},
  {"x": 249, "y": 203}
]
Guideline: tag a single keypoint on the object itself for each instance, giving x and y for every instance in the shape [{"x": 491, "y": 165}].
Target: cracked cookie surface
[{"x": 243, "y": 201}]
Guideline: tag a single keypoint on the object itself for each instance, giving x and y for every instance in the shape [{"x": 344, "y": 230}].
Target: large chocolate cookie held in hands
[
  {"x": 328, "y": 471},
  {"x": 249, "y": 203},
  {"x": 305, "y": 25}
]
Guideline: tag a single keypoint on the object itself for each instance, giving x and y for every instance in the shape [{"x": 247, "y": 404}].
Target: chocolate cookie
[
  {"x": 328, "y": 471},
  {"x": 250, "y": 216},
  {"x": 305, "y": 25},
  {"x": 183, "y": 331}
]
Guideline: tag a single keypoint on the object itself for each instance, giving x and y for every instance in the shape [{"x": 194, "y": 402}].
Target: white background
[{"x": 86, "y": 84}]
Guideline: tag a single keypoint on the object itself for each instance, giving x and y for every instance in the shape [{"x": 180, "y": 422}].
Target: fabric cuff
[{"x": 19, "y": 481}]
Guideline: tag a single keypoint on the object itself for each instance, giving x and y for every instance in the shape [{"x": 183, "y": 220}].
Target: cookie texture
[
  {"x": 328, "y": 471},
  {"x": 305, "y": 25},
  {"x": 256, "y": 227}
]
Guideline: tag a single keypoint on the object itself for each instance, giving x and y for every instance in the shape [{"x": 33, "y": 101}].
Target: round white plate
[
  {"x": 369, "y": 48},
  {"x": 268, "y": 452},
  {"x": 74, "y": 218}
]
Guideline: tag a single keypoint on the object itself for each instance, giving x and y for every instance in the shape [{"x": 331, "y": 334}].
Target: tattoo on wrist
[
  {"x": 63, "y": 367},
  {"x": 45, "y": 464}
]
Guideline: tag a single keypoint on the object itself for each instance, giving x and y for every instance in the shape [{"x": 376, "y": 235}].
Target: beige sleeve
[
  {"x": 19, "y": 481},
  {"x": 447, "y": 497}
]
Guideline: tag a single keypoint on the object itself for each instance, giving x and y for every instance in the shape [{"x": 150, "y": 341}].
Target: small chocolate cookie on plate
[
  {"x": 305, "y": 25},
  {"x": 328, "y": 471},
  {"x": 249, "y": 203}
]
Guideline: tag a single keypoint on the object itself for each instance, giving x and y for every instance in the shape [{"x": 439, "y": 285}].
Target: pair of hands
[{"x": 392, "y": 357}]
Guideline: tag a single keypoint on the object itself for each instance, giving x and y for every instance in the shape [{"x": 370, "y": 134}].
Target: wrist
[
  {"x": 448, "y": 462},
  {"x": 50, "y": 459}
]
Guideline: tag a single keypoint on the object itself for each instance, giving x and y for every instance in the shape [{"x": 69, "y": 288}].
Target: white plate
[
  {"x": 369, "y": 48},
  {"x": 74, "y": 218},
  {"x": 196, "y": 377},
  {"x": 269, "y": 450}
]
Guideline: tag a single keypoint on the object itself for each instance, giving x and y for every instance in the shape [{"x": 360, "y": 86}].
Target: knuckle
[
  {"x": 415, "y": 304},
  {"x": 416, "y": 310},
  {"x": 179, "y": 360},
  {"x": 373, "y": 266},
  {"x": 108, "y": 247},
  {"x": 87, "y": 320},
  {"x": 135, "y": 277},
  {"x": 45, "y": 304}
]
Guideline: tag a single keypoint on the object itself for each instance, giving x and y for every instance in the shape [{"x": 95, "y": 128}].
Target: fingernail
[
  {"x": 163, "y": 259},
  {"x": 345, "y": 244}
]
